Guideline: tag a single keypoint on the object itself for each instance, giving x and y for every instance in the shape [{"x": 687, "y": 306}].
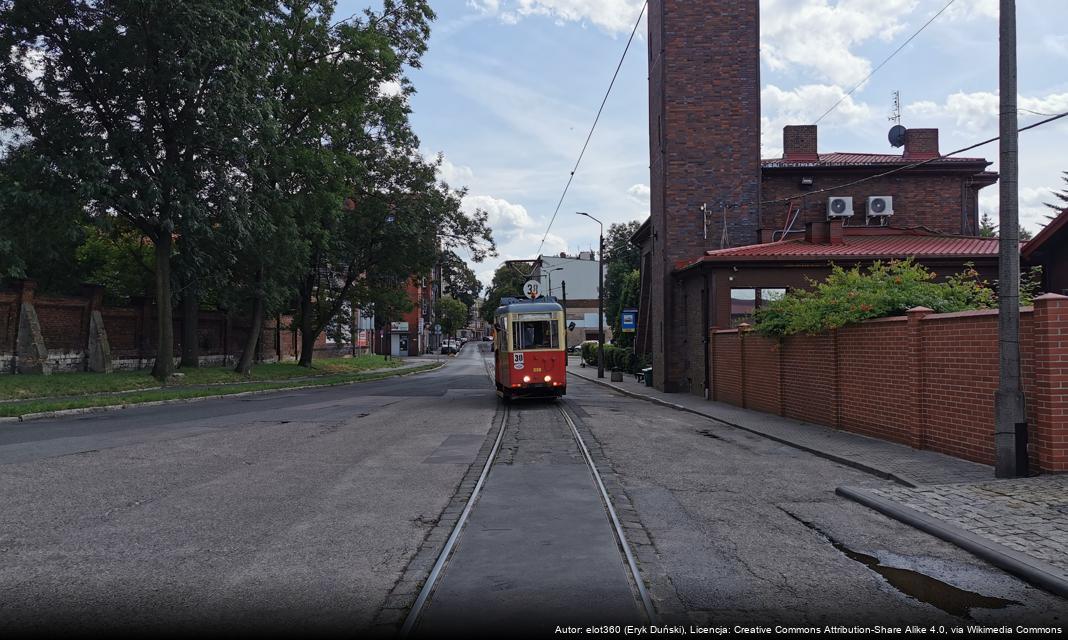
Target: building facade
[{"x": 573, "y": 280}]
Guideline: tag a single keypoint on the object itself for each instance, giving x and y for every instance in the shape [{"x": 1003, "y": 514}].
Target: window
[
  {"x": 535, "y": 334},
  {"x": 744, "y": 302}
]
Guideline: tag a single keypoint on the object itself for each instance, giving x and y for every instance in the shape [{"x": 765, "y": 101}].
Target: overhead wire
[
  {"x": 881, "y": 64},
  {"x": 594, "y": 127}
]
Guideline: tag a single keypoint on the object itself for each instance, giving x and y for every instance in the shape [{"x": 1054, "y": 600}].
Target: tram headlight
[
  {"x": 526, "y": 378},
  {"x": 548, "y": 378}
]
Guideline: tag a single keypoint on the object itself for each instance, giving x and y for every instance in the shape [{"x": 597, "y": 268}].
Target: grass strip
[
  {"x": 20, "y": 387},
  {"x": 178, "y": 393}
]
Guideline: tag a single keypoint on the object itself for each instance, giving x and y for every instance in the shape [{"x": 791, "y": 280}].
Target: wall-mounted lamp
[{"x": 806, "y": 182}]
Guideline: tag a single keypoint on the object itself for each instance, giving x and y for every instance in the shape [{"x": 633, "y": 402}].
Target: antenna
[{"x": 895, "y": 111}]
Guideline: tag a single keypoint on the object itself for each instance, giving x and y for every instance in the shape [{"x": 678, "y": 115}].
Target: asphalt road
[{"x": 299, "y": 511}]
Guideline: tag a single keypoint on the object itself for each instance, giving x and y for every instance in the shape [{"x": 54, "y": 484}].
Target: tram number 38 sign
[
  {"x": 532, "y": 289},
  {"x": 517, "y": 361}
]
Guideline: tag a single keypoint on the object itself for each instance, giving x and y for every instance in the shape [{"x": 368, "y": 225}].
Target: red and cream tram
[{"x": 529, "y": 348}]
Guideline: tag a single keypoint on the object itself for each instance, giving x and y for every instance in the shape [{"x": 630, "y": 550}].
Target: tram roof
[{"x": 519, "y": 305}]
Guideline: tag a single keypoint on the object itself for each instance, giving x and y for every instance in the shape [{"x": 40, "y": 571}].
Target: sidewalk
[{"x": 1019, "y": 525}]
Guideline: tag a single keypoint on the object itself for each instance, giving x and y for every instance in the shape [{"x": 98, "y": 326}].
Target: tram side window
[{"x": 541, "y": 334}]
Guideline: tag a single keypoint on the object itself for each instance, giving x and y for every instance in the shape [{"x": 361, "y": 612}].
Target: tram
[{"x": 529, "y": 348}]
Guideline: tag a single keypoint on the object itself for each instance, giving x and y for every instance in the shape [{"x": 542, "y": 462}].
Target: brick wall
[
  {"x": 131, "y": 332},
  {"x": 927, "y": 380},
  {"x": 942, "y": 202},
  {"x": 704, "y": 144}
]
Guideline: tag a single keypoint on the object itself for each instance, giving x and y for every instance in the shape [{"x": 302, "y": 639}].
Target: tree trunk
[
  {"x": 307, "y": 334},
  {"x": 244, "y": 367},
  {"x": 190, "y": 325},
  {"x": 164, "y": 366}
]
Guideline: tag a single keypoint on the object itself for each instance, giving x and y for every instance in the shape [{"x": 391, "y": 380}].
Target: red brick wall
[
  {"x": 704, "y": 145},
  {"x": 763, "y": 392},
  {"x": 872, "y": 362},
  {"x": 809, "y": 379},
  {"x": 727, "y": 365},
  {"x": 928, "y": 381},
  {"x": 928, "y": 199}
]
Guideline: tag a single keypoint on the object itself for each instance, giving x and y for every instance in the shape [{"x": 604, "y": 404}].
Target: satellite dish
[{"x": 897, "y": 136}]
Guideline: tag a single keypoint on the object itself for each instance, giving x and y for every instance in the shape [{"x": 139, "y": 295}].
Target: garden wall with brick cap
[
  {"x": 65, "y": 327},
  {"x": 926, "y": 380}
]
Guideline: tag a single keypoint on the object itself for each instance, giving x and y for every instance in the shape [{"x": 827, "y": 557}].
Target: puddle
[
  {"x": 953, "y": 600},
  {"x": 924, "y": 588}
]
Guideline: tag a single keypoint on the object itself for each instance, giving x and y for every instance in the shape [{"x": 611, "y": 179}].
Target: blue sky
[{"x": 509, "y": 88}]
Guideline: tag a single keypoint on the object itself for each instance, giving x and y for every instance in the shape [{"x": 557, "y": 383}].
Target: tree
[
  {"x": 987, "y": 229},
  {"x": 145, "y": 106},
  {"x": 451, "y": 314},
  {"x": 508, "y": 281},
  {"x": 628, "y": 297},
  {"x": 458, "y": 279},
  {"x": 621, "y": 258},
  {"x": 1062, "y": 196}
]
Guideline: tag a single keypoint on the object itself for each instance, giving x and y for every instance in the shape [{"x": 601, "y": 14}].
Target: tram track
[{"x": 642, "y": 601}]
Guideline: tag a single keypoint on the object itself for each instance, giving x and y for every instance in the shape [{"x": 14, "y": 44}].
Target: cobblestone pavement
[{"x": 1029, "y": 515}]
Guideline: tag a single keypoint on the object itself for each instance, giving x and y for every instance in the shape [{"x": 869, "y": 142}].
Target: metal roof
[
  {"x": 839, "y": 159},
  {"x": 871, "y": 247},
  {"x": 545, "y": 304},
  {"x": 1047, "y": 232}
]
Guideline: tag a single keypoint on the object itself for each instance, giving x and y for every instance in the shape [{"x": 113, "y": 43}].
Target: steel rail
[
  {"x": 647, "y": 602},
  {"x": 435, "y": 572}
]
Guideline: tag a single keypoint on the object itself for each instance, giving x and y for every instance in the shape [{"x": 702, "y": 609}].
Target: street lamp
[
  {"x": 600, "y": 296},
  {"x": 548, "y": 273}
]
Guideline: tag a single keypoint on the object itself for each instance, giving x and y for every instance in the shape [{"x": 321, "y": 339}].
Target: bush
[{"x": 885, "y": 289}]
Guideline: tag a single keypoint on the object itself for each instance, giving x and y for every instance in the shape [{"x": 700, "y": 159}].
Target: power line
[
  {"x": 909, "y": 166},
  {"x": 880, "y": 66},
  {"x": 595, "y": 120}
]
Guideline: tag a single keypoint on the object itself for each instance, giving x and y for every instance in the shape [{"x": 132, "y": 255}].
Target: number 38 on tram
[{"x": 529, "y": 347}]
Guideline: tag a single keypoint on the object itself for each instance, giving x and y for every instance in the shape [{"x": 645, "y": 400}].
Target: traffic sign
[
  {"x": 532, "y": 289},
  {"x": 630, "y": 320}
]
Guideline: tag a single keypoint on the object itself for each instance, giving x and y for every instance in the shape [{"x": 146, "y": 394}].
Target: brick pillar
[
  {"x": 743, "y": 330},
  {"x": 1049, "y": 405},
  {"x": 712, "y": 363},
  {"x": 916, "y": 416}
]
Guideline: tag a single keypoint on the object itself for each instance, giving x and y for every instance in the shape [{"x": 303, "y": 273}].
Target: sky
[{"x": 509, "y": 88}]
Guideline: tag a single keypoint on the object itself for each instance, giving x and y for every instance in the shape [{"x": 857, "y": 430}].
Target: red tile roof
[
  {"x": 861, "y": 159},
  {"x": 862, "y": 247}
]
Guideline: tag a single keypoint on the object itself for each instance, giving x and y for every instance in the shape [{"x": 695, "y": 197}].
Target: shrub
[{"x": 884, "y": 289}]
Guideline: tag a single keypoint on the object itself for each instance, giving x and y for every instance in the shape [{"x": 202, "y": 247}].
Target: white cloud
[
  {"x": 1034, "y": 214},
  {"x": 803, "y": 105},
  {"x": 819, "y": 36},
  {"x": 391, "y": 89},
  {"x": 640, "y": 193},
  {"x": 505, "y": 217},
  {"x": 978, "y": 111},
  {"x": 972, "y": 9},
  {"x": 456, "y": 176},
  {"x": 614, "y": 16}
]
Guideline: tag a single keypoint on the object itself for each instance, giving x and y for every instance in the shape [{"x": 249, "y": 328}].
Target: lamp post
[{"x": 600, "y": 296}]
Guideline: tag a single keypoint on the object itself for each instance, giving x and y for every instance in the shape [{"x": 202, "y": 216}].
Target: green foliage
[
  {"x": 987, "y": 229},
  {"x": 1061, "y": 202},
  {"x": 458, "y": 279},
  {"x": 884, "y": 289},
  {"x": 451, "y": 314},
  {"x": 626, "y": 298},
  {"x": 622, "y": 260},
  {"x": 616, "y": 358},
  {"x": 507, "y": 282},
  {"x": 122, "y": 262}
]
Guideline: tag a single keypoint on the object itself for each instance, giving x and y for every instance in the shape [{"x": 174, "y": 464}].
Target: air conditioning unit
[
  {"x": 839, "y": 207},
  {"x": 880, "y": 206}
]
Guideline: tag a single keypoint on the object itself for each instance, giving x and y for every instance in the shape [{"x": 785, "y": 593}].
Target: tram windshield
[{"x": 535, "y": 334}]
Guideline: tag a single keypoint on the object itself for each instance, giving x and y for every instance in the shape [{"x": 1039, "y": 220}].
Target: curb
[
  {"x": 155, "y": 403},
  {"x": 1037, "y": 572},
  {"x": 849, "y": 462}
]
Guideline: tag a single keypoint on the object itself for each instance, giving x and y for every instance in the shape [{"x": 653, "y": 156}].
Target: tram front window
[{"x": 541, "y": 334}]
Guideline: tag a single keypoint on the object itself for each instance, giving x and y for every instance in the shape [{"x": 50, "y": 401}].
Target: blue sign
[{"x": 630, "y": 320}]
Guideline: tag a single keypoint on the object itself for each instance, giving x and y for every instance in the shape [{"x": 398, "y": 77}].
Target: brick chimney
[
  {"x": 824, "y": 232},
  {"x": 799, "y": 143},
  {"x": 921, "y": 144}
]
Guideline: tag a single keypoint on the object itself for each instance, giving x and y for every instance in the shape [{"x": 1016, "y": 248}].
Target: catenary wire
[
  {"x": 880, "y": 65},
  {"x": 592, "y": 128}
]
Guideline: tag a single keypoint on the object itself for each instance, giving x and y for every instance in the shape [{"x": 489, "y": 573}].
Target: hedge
[{"x": 615, "y": 358}]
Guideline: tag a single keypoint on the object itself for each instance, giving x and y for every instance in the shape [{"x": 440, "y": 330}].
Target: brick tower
[{"x": 704, "y": 146}]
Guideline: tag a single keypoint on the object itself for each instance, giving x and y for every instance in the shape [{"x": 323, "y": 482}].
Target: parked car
[{"x": 448, "y": 347}]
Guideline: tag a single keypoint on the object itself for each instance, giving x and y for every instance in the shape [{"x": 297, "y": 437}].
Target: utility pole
[{"x": 1010, "y": 414}]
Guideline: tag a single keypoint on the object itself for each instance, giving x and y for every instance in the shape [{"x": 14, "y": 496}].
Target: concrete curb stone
[{"x": 1032, "y": 570}]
